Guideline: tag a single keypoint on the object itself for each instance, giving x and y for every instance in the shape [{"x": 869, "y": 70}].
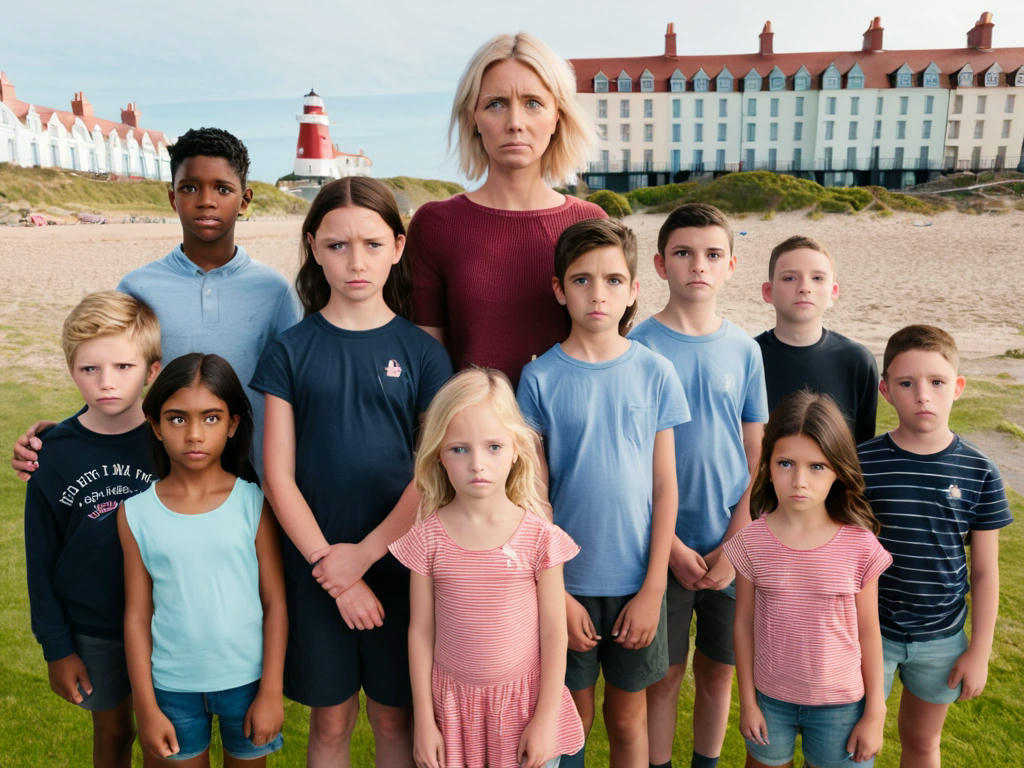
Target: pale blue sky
[{"x": 197, "y": 50}]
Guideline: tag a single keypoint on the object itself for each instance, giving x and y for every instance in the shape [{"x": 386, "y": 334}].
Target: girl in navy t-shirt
[{"x": 344, "y": 391}]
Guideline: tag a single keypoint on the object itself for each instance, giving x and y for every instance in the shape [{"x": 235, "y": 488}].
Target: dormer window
[
  {"x": 701, "y": 82},
  {"x": 904, "y": 76},
  {"x": 600, "y": 83},
  {"x": 965, "y": 78},
  {"x": 1018, "y": 79},
  {"x": 855, "y": 77},
  {"x": 830, "y": 80},
  {"x": 992, "y": 75},
  {"x": 802, "y": 80},
  {"x": 624, "y": 83},
  {"x": 646, "y": 81},
  {"x": 752, "y": 82},
  {"x": 776, "y": 80},
  {"x": 677, "y": 83},
  {"x": 931, "y": 76},
  {"x": 724, "y": 80}
]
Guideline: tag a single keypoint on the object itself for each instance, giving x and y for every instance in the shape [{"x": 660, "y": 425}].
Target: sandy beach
[{"x": 964, "y": 273}]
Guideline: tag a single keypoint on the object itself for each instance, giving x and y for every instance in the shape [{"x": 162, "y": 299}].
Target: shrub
[{"x": 614, "y": 204}]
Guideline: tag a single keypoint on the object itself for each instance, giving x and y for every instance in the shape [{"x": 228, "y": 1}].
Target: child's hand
[
  {"x": 156, "y": 732},
  {"x": 753, "y": 725},
  {"x": 26, "y": 447},
  {"x": 582, "y": 634},
  {"x": 359, "y": 607},
  {"x": 341, "y": 565},
  {"x": 637, "y": 622},
  {"x": 67, "y": 675},
  {"x": 428, "y": 746},
  {"x": 686, "y": 565},
  {"x": 972, "y": 670},
  {"x": 264, "y": 719},
  {"x": 719, "y": 576},
  {"x": 866, "y": 737},
  {"x": 537, "y": 744}
]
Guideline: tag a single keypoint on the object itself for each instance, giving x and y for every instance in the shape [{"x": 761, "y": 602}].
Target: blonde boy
[
  {"x": 716, "y": 453},
  {"x": 932, "y": 492},
  {"x": 94, "y": 460},
  {"x": 799, "y": 352}
]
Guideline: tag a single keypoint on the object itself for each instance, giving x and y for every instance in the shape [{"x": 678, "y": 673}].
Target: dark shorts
[
  {"x": 191, "y": 714},
  {"x": 626, "y": 669},
  {"x": 327, "y": 663},
  {"x": 108, "y": 672},
  {"x": 715, "y": 611}
]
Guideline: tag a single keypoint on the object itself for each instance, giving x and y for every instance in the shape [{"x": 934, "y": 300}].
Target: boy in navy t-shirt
[{"x": 92, "y": 461}]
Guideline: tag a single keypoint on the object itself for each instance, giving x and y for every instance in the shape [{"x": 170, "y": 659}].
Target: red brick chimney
[
  {"x": 670, "y": 39},
  {"x": 873, "y": 36},
  {"x": 81, "y": 106},
  {"x": 6, "y": 88},
  {"x": 980, "y": 36},
  {"x": 130, "y": 115},
  {"x": 767, "y": 49}
]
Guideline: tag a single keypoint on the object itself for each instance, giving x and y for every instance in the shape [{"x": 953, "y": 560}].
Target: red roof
[{"x": 877, "y": 66}]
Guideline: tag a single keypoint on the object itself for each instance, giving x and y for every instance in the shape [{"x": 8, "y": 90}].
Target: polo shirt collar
[{"x": 183, "y": 265}]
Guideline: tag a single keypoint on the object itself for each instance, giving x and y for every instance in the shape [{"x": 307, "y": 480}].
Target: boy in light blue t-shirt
[
  {"x": 606, "y": 407},
  {"x": 720, "y": 368}
]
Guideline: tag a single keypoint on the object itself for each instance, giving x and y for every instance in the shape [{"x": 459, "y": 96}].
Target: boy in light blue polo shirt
[{"x": 208, "y": 294}]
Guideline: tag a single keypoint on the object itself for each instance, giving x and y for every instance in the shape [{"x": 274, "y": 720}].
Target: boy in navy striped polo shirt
[{"x": 933, "y": 493}]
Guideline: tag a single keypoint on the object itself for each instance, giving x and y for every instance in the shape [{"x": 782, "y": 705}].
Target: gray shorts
[
  {"x": 629, "y": 670},
  {"x": 715, "y": 611},
  {"x": 108, "y": 672}
]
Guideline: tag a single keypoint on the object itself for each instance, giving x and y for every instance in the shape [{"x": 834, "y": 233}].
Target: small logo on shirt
[
  {"x": 953, "y": 492},
  {"x": 103, "y": 509},
  {"x": 513, "y": 558},
  {"x": 393, "y": 369}
]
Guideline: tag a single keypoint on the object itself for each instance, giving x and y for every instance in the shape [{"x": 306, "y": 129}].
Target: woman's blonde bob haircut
[
  {"x": 465, "y": 389},
  {"x": 574, "y": 135}
]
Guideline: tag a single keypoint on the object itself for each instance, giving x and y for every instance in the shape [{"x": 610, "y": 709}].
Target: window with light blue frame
[
  {"x": 852, "y": 132},
  {"x": 904, "y": 77},
  {"x": 929, "y": 104},
  {"x": 830, "y": 80},
  {"x": 624, "y": 109},
  {"x": 752, "y": 82},
  {"x": 878, "y": 129},
  {"x": 776, "y": 80},
  {"x": 677, "y": 105},
  {"x": 772, "y": 157},
  {"x": 855, "y": 105},
  {"x": 904, "y": 104},
  {"x": 751, "y": 107},
  {"x": 798, "y": 158},
  {"x": 648, "y": 132},
  {"x": 646, "y": 82},
  {"x": 773, "y": 108},
  {"x": 677, "y": 132},
  {"x": 830, "y": 105},
  {"x": 798, "y": 131},
  {"x": 600, "y": 83},
  {"x": 624, "y": 83},
  {"x": 677, "y": 82},
  {"x": 802, "y": 80},
  {"x": 830, "y": 128},
  {"x": 748, "y": 160},
  {"x": 930, "y": 79},
  {"x": 855, "y": 81},
  {"x": 926, "y": 129},
  {"x": 901, "y": 129},
  {"x": 879, "y": 105},
  {"x": 799, "y": 106},
  {"x": 648, "y": 108},
  {"x": 723, "y": 131},
  {"x": 751, "y": 131},
  {"x": 701, "y": 82},
  {"x": 723, "y": 107},
  {"x": 724, "y": 81},
  {"x": 851, "y": 158},
  {"x": 698, "y": 159},
  {"x": 698, "y": 108},
  {"x": 698, "y": 131},
  {"x": 719, "y": 159},
  {"x": 773, "y": 132},
  {"x": 676, "y": 159}
]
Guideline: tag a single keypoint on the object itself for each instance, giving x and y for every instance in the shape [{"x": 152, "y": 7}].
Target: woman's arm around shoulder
[
  {"x": 265, "y": 717},
  {"x": 156, "y": 732}
]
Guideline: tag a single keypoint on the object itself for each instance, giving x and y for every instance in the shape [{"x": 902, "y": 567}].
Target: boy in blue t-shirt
[
  {"x": 92, "y": 461},
  {"x": 717, "y": 451},
  {"x": 209, "y": 295},
  {"x": 933, "y": 493},
  {"x": 606, "y": 407}
]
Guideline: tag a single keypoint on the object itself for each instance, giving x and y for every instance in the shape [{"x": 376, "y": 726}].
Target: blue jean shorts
[
  {"x": 192, "y": 717},
  {"x": 924, "y": 666},
  {"x": 824, "y": 731}
]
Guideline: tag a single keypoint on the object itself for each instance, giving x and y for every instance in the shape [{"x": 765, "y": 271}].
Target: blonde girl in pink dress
[{"x": 487, "y": 636}]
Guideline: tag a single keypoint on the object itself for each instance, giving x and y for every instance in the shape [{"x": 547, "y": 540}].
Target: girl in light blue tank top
[{"x": 205, "y": 617}]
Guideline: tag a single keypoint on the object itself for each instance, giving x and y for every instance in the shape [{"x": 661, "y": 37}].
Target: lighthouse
[{"x": 315, "y": 156}]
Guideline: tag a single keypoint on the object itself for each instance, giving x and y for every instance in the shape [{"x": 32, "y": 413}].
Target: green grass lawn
[{"x": 38, "y": 729}]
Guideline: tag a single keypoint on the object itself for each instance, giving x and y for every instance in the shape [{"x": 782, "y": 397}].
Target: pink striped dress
[
  {"x": 486, "y": 671},
  {"x": 806, "y": 643}
]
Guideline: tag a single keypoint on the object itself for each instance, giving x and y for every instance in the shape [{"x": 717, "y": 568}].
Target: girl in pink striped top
[
  {"x": 807, "y": 641},
  {"x": 487, "y": 635}
]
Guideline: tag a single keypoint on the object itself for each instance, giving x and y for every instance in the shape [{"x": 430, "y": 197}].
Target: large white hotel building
[{"x": 871, "y": 116}]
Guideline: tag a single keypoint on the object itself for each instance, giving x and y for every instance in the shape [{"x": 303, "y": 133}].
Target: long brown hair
[
  {"x": 817, "y": 417},
  {"x": 361, "y": 192}
]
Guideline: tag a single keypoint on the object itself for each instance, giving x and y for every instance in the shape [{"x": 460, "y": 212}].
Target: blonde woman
[{"x": 482, "y": 261}]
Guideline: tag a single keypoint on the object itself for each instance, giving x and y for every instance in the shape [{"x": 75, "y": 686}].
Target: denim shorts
[
  {"x": 108, "y": 672},
  {"x": 192, "y": 717},
  {"x": 924, "y": 666},
  {"x": 824, "y": 732}
]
